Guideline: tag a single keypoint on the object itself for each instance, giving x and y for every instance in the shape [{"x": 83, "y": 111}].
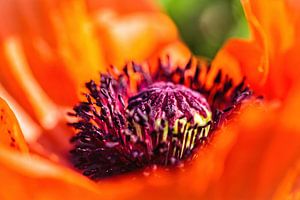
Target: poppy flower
[{"x": 253, "y": 155}]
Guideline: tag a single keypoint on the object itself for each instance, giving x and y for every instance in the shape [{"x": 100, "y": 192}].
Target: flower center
[
  {"x": 161, "y": 125},
  {"x": 175, "y": 112},
  {"x": 179, "y": 117}
]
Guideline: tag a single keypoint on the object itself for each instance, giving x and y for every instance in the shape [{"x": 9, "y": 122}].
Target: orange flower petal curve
[
  {"x": 122, "y": 7},
  {"x": 269, "y": 58},
  {"x": 34, "y": 178},
  {"x": 289, "y": 187},
  {"x": 17, "y": 78},
  {"x": 135, "y": 36},
  {"x": 177, "y": 53},
  {"x": 277, "y": 22},
  {"x": 246, "y": 58},
  {"x": 60, "y": 53},
  {"x": 10, "y": 133},
  {"x": 266, "y": 146}
]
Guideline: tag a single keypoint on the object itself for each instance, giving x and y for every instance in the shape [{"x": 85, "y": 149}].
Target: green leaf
[{"x": 205, "y": 25}]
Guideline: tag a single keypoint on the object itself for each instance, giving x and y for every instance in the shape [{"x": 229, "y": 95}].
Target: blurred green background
[{"x": 205, "y": 24}]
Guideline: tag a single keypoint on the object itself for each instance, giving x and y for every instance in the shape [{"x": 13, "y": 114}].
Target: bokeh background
[{"x": 205, "y": 24}]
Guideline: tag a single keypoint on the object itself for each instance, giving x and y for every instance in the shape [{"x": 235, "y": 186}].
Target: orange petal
[
  {"x": 246, "y": 58},
  {"x": 17, "y": 78},
  {"x": 10, "y": 133},
  {"x": 289, "y": 187},
  {"x": 176, "y": 53},
  {"x": 54, "y": 144},
  {"x": 227, "y": 61},
  {"x": 76, "y": 42},
  {"x": 30, "y": 129},
  {"x": 276, "y": 22},
  {"x": 266, "y": 146},
  {"x": 122, "y": 7},
  {"x": 25, "y": 177},
  {"x": 61, "y": 54},
  {"x": 135, "y": 36},
  {"x": 284, "y": 144},
  {"x": 293, "y": 6},
  {"x": 268, "y": 60}
]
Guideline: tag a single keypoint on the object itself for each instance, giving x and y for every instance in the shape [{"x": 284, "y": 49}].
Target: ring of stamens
[{"x": 174, "y": 113}]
